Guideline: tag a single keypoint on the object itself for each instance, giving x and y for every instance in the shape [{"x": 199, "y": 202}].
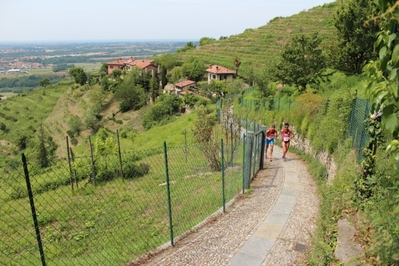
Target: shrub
[{"x": 134, "y": 170}]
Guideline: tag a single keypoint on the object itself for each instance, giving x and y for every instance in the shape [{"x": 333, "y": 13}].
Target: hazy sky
[{"x": 75, "y": 20}]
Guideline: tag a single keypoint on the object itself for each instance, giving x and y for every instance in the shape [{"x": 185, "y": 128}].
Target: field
[{"x": 89, "y": 67}]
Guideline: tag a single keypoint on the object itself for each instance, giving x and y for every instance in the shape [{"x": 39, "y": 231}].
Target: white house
[{"x": 220, "y": 73}]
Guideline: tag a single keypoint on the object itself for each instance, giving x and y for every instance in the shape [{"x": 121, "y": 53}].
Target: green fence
[
  {"x": 110, "y": 209},
  {"x": 360, "y": 111},
  {"x": 356, "y": 129}
]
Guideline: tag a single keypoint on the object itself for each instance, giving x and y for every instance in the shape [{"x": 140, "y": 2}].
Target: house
[
  {"x": 184, "y": 86},
  {"x": 117, "y": 64},
  {"x": 129, "y": 64},
  {"x": 220, "y": 73},
  {"x": 147, "y": 65},
  {"x": 13, "y": 71}
]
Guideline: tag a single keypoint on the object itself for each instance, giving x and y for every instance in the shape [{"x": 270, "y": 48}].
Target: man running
[{"x": 271, "y": 133}]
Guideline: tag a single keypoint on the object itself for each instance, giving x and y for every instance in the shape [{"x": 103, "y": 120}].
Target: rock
[{"x": 347, "y": 250}]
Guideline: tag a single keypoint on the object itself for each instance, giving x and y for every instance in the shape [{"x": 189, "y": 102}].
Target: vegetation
[
  {"x": 26, "y": 82},
  {"x": 302, "y": 62},
  {"x": 364, "y": 192},
  {"x": 355, "y": 33}
]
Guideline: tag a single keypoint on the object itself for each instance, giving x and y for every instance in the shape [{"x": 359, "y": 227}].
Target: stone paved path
[{"x": 272, "y": 226}]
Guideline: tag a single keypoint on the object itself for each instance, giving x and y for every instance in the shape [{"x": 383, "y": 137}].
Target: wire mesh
[
  {"x": 360, "y": 111},
  {"x": 88, "y": 214},
  {"x": 110, "y": 209}
]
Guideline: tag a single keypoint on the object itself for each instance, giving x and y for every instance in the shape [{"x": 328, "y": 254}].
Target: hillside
[
  {"x": 260, "y": 46},
  {"x": 253, "y": 47}
]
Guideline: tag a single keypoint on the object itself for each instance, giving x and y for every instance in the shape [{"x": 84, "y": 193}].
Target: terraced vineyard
[{"x": 258, "y": 47}]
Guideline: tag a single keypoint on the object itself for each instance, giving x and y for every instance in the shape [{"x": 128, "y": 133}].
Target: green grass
[
  {"x": 260, "y": 46},
  {"x": 117, "y": 220},
  {"x": 23, "y": 114},
  {"x": 89, "y": 67},
  {"x": 8, "y": 94}
]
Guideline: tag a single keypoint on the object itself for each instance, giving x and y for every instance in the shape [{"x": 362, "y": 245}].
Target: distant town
[{"x": 21, "y": 58}]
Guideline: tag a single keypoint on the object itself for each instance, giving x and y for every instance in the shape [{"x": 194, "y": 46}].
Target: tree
[
  {"x": 355, "y": 36},
  {"x": 22, "y": 142},
  {"x": 237, "y": 63},
  {"x": 78, "y": 75},
  {"x": 383, "y": 78},
  {"x": 302, "y": 62},
  {"x": 164, "y": 79},
  {"x": 154, "y": 86},
  {"x": 264, "y": 79},
  {"x": 74, "y": 124},
  {"x": 194, "y": 69},
  {"x": 188, "y": 46},
  {"x": 132, "y": 95},
  {"x": 45, "y": 148},
  {"x": 206, "y": 40},
  {"x": 44, "y": 82},
  {"x": 3, "y": 127},
  {"x": 105, "y": 84},
  {"x": 168, "y": 61},
  {"x": 103, "y": 70},
  {"x": 116, "y": 73}
]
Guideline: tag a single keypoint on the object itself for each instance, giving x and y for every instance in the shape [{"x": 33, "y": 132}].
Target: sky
[{"x": 99, "y": 20}]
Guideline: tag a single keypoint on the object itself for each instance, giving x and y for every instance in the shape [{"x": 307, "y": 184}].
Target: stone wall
[{"x": 323, "y": 157}]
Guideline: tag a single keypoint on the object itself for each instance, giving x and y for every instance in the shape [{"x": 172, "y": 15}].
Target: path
[{"x": 272, "y": 226}]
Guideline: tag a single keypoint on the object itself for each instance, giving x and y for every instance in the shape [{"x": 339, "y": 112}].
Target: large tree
[
  {"x": 154, "y": 85},
  {"x": 78, "y": 74},
  {"x": 131, "y": 94},
  {"x": 194, "y": 69},
  {"x": 355, "y": 35},
  {"x": 383, "y": 73},
  {"x": 302, "y": 62}
]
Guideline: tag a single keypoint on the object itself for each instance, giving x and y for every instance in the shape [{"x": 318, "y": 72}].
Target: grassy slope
[
  {"x": 257, "y": 47},
  {"x": 254, "y": 47}
]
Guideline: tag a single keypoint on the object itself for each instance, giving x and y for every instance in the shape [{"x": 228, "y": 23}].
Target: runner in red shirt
[
  {"x": 271, "y": 133},
  {"x": 286, "y": 135}
]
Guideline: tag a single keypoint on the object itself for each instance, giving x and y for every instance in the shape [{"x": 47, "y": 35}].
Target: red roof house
[
  {"x": 129, "y": 64},
  {"x": 220, "y": 73}
]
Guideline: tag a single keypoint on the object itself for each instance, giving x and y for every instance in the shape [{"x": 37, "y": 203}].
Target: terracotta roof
[
  {"x": 119, "y": 62},
  {"x": 215, "y": 69},
  {"x": 141, "y": 63},
  {"x": 184, "y": 83}
]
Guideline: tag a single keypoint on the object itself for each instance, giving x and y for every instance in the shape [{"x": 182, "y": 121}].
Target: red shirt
[
  {"x": 271, "y": 133},
  {"x": 285, "y": 135}
]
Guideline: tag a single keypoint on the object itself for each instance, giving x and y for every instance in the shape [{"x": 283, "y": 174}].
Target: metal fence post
[
  {"x": 33, "y": 209},
  {"x": 69, "y": 162},
  {"x": 168, "y": 193},
  {"x": 223, "y": 186},
  {"x": 93, "y": 167},
  {"x": 119, "y": 154},
  {"x": 243, "y": 163},
  {"x": 248, "y": 160}
]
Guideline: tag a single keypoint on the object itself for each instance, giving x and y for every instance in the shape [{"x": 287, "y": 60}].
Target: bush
[{"x": 134, "y": 170}]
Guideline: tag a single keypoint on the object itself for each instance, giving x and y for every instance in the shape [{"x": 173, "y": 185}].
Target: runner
[
  {"x": 271, "y": 133},
  {"x": 286, "y": 135}
]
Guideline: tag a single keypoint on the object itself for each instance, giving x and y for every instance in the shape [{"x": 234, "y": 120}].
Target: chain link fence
[
  {"x": 356, "y": 129},
  {"x": 110, "y": 209},
  {"x": 360, "y": 111}
]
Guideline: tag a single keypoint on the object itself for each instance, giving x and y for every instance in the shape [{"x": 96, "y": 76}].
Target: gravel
[{"x": 217, "y": 239}]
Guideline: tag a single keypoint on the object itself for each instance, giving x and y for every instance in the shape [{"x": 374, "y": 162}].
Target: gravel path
[{"x": 216, "y": 241}]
